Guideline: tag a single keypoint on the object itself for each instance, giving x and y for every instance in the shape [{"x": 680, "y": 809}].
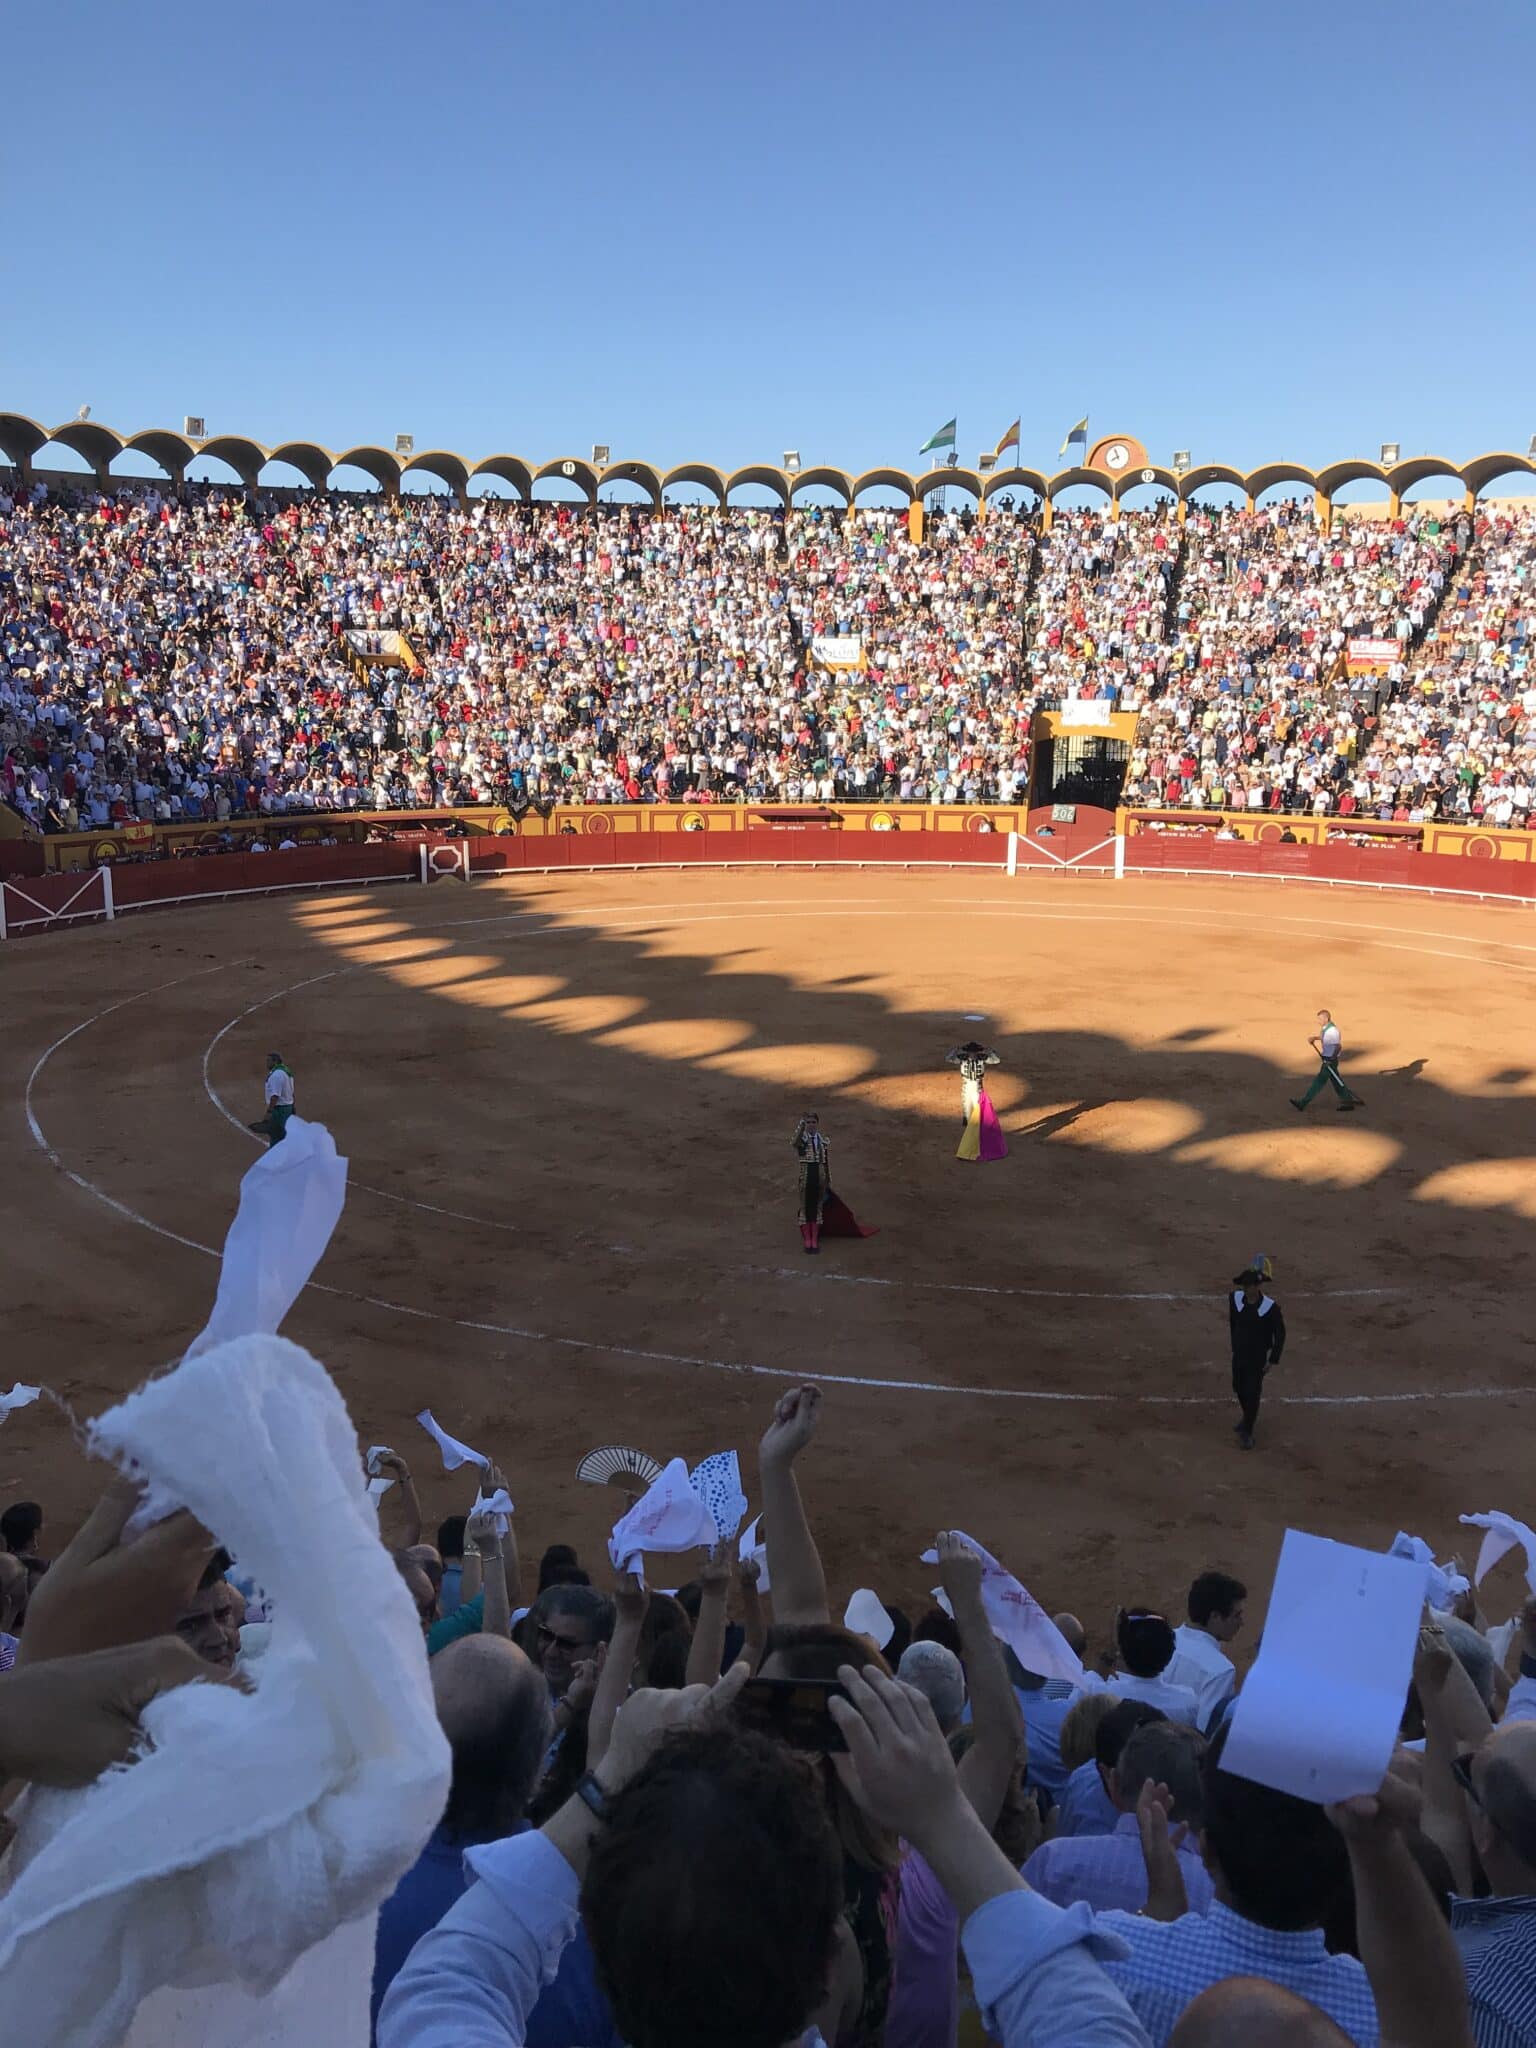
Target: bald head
[
  {"x": 494, "y": 1709},
  {"x": 1248, "y": 2012},
  {"x": 1076, "y": 1635}
]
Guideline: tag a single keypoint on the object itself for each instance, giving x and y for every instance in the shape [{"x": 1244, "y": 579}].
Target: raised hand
[
  {"x": 631, "y": 1599},
  {"x": 1167, "y": 1894},
  {"x": 960, "y": 1567},
  {"x": 793, "y": 1425},
  {"x": 648, "y": 1717},
  {"x": 901, "y": 1771},
  {"x": 715, "y": 1571},
  {"x": 66, "y": 1719}
]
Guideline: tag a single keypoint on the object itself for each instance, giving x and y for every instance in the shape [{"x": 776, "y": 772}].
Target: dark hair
[
  {"x": 935, "y": 1626},
  {"x": 557, "y": 1553},
  {"x": 1283, "y": 1860},
  {"x": 1117, "y": 1728},
  {"x": 1214, "y": 1593},
  {"x": 496, "y": 1759},
  {"x": 20, "y": 1523},
  {"x": 713, "y": 1895},
  {"x": 450, "y": 1536},
  {"x": 667, "y": 1666},
  {"x": 815, "y": 1649},
  {"x": 214, "y": 1570},
  {"x": 1146, "y": 1643},
  {"x": 584, "y": 1603},
  {"x": 690, "y": 1598},
  {"x": 1168, "y": 1754},
  {"x": 564, "y": 1575}
]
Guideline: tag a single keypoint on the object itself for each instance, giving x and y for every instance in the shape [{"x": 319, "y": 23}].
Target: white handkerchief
[
  {"x": 1444, "y": 1584},
  {"x": 498, "y": 1505},
  {"x": 1319, "y": 1714},
  {"x": 749, "y": 1547},
  {"x": 18, "y": 1397},
  {"x": 454, "y": 1453},
  {"x": 290, "y": 1201},
  {"x": 1017, "y": 1616},
  {"x": 865, "y": 1615},
  {"x": 717, "y": 1482},
  {"x": 379, "y": 1482},
  {"x": 1501, "y": 1535},
  {"x": 670, "y": 1517}
]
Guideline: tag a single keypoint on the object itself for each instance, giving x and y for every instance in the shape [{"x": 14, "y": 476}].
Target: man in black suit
[{"x": 1258, "y": 1338}]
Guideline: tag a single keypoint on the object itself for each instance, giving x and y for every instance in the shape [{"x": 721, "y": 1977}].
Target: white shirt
[
  {"x": 280, "y": 1088},
  {"x": 1198, "y": 1663},
  {"x": 1178, "y": 1702},
  {"x": 1332, "y": 1041}
]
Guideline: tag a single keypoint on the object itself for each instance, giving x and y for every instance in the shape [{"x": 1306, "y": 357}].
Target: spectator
[
  {"x": 1109, "y": 1872},
  {"x": 210, "y": 1626},
  {"x": 495, "y": 1713},
  {"x": 1146, "y": 1646},
  {"x": 1088, "y": 1805},
  {"x": 939, "y": 1676},
  {"x": 1278, "y": 1867},
  {"x": 1216, "y": 1616}
]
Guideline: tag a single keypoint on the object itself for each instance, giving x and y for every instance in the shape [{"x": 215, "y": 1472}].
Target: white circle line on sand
[
  {"x": 782, "y": 1272},
  {"x": 132, "y": 1215}
]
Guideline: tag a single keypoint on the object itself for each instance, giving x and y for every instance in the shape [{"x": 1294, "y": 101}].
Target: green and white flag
[{"x": 944, "y": 438}]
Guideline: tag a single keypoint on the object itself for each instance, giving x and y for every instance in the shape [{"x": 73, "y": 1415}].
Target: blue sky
[{"x": 719, "y": 231}]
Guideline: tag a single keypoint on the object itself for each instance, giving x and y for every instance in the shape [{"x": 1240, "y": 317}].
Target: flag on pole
[
  {"x": 1009, "y": 440},
  {"x": 944, "y": 438},
  {"x": 1077, "y": 438}
]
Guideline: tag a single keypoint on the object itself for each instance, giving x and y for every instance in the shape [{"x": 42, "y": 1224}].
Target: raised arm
[
  {"x": 1408, "y": 1950},
  {"x": 989, "y": 1763},
  {"x": 1455, "y": 1721},
  {"x": 799, "y": 1584},
  {"x": 630, "y": 1601},
  {"x": 496, "y": 1618},
  {"x": 511, "y": 1563},
  {"x": 707, "y": 1651},
  {"x": 410, "y": 1506}
]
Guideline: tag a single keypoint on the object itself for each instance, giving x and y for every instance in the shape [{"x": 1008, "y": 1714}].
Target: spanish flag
[
  {"x": 1009, "y": 440},
  {"x": 1076, "y": 438}
]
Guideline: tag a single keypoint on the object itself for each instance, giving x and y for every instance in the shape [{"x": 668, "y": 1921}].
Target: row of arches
[{"x": 23, "y": 439}]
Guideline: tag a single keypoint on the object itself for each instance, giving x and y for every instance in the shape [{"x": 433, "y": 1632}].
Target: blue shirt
[
  {"x": 1171, "y": 1962},
  {"x": 570, "y": 2012},
  {"x": 1044, "y": 1710},
  {"x": 1497, "y": 1940},
  {"x": 1085, "y": 1808}
]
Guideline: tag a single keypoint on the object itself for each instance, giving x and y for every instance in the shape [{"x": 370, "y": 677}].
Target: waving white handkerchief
[
  {"x": 498, "y": 1505},
  {"x": 717, "y": 1482},
  {"x": 749, "y": 1549},
  {"x": 454, "y": 1453},
  {"x": 290, "y": 1201},
  {"x": 865, "y": 1614},
  {"x": 1502, "y": 1534},
  {"x": 18, "y": 1397},
  {"x": 1444, "y": 1584},
  {"x": 670, "y": 1517},
  {"x": 379, "y": 1482},
  {"x": 1017, "y": 1616},
  {"x": 255, "y": 1823}
]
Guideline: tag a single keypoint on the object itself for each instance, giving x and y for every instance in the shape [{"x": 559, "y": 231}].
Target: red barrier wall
[
  {"x": 219, "y": 874},
  {"x": 808, "y": 846},
  {"x": 1175, "y": 853}
]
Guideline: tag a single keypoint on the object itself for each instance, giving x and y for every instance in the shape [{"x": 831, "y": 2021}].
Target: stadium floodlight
[
  {"x": 405, "y": 444},
  {"x": 1389, "y": 454},
  {"x": 194, "y": 426},
  {"x": 985, "y": 464},
  {"x": 952, "y": 459},
  {"x": 600, "y": 454},
  {"x": 792, "y": 461},
  {"x": 1180, "y": 461}
]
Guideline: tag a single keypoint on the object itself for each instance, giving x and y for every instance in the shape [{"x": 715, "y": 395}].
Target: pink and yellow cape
[{"x": 983, "y": 1136}]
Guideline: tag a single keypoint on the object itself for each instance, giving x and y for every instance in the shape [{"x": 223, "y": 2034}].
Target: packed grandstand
[{"x": 184, "y": 652}]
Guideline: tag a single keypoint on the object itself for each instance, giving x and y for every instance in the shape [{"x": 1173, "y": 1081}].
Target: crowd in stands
[
  {"x": 206, "y": 655},
  {"x": 931, "y": 1843}
]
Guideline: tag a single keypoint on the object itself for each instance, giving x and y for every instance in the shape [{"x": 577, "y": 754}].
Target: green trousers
[{"x": 1328, "y": 1077}]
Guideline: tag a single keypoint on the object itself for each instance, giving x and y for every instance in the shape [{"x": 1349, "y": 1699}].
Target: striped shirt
[
  {"x": 1497, "y": 1939},
  {"x": 1172, "y": 1962},
  {"x": 1109, "y": 1872}
]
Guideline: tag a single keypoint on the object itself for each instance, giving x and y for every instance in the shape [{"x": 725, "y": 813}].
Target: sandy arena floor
[{"x": 568, "y": 1104}]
